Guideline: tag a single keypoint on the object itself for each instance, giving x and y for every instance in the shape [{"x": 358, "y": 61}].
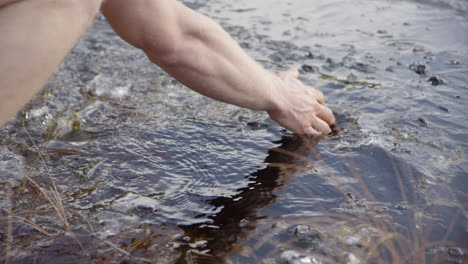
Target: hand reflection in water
[{"x": 241, "y": 212}]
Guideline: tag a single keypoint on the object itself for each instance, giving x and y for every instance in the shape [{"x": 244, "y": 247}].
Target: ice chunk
[{"x": 108, "y": 87}]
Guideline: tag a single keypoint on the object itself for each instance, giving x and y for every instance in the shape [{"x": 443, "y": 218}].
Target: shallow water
[{"x": 149, "y": 171}]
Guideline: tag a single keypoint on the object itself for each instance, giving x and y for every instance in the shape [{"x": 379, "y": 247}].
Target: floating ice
[{"x": 108, "y": 87}]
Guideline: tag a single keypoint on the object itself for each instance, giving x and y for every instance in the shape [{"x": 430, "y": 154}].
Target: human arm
[
  {"x": 35, "y": 36},
  {"x": 199, "y": 53}
]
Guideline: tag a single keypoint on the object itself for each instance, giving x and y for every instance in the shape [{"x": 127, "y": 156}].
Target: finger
[
  {"x": 326, "y": 114},
  {"x": 310, "y": 131},
  {"x": 293, "y": 72},
  {"x": 320, "y": 96},
  {"x": 320, "y": 125},
  {"x": 317, "y": 94}
]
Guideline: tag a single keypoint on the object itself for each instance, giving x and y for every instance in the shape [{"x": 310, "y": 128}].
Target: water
[{"x": 149, "y": 171}]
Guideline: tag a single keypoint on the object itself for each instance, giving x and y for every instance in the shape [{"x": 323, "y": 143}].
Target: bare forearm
[
  {"x": 35, "y": 37},
  {"x": 211, "y": 63},
  {"x": 195, "y": 50}
]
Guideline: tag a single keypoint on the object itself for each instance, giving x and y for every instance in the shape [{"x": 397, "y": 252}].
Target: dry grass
[{"x": 51, "y": 195}]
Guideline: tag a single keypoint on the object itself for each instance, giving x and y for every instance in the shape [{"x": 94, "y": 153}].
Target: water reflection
[{"x": 214, "y": 241}]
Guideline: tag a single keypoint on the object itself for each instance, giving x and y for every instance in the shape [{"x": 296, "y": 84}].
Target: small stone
[
  {"x": 269, "y": 261},
  {"x": 444, "y": 109},
  {"x": 381, "y": 210},
  {"x": 353, "y": 259},
  {"x": 351, "y": 196},
  {"x": 418, "y": 68},
  {"x": 453, "y": 62},
  {"x": 302, "y": 230},
  {"x": 309, "y": 55},
  {"x": 423, "y": 122},
  {"x": 435, "y": 81},
  {"x": 456, "y": 252},
  {"x": 294, "y": 257},
  {"x": 308, "y": 68},
  {"x": 401, "y": 206}
]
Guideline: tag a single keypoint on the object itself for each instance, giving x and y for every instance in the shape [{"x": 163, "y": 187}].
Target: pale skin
[{"x": 36, "y": 35}]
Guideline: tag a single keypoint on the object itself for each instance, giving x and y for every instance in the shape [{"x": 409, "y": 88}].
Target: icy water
[{"x": 147, "y": 171}]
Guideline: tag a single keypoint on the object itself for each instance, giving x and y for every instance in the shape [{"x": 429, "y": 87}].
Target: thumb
[{"x": 292, "y": 72}]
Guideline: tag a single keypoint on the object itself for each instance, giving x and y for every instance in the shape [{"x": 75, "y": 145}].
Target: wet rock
[
  {"x": 418, "y": 68},
  {"x": 453, "y": 62},
  {"x": 456, "y": 252},
  {"x": 38, "y": 112},
  {"x": 401, "y": 206},
  {"x": 302, "y": 230},
  {"x": 275, "y": 57},
  {"x": 444, "y": 109},
  {"x": 381, "y": 210},
  {"x": 435, "y": 81},
  {"x": 282, "y": 45},
  {"x": 294, "y": 257},
  {"x": 423, "y": 122},
  {"x": 309, "y": 55},
  {"x": 198, "y": 244},
  {"x": 307, "y": 237},
  {"x": 142, "y": 210},
  {"x": 11, "y": 166},
  {"x": 330, "y": 64},
  {"x": 245, "y": 45},
  {"x": 418, "y": 49},
  {"x": 363, "y": 67},
  {"x": 257, "y": 125},
  {"x": 269, "y": 261},
  {"x": 351, "y": 77},
  {"x": 294, "y": 56},
  {"x": 308, "y": 68},
  {"x": 64, "y": 125},
  {"x": 353, "y": 259},
  {"x": 399, "y": 149},
  {"x": 137, "y": 204},
  {"x": 194, "y": 3},
  {"x": 351, "y": 196}
]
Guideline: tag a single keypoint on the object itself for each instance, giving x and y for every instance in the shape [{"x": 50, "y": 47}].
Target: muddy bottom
[{"x": 115, "y": 162}]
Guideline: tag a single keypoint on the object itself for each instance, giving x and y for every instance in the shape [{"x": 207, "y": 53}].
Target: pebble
[
  {"x": 423, "y": 122},
  {"x": 308, "y": 68},
  {"x": 455, "y": 252},
  {"x": 294, "y": 257},
  {"x": 435, "y": 81},
  {"x": 418, "y": 68},
  {"x": 302, "y": 230}
]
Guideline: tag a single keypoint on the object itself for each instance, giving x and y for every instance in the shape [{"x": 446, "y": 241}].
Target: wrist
[{"x": 276, "y": 101}]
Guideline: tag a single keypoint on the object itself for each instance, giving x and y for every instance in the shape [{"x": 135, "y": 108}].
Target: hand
[{"x": 302, "y": 108}]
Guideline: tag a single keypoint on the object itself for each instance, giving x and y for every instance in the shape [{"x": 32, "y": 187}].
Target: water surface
[{"x": 149, "y": 171}]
